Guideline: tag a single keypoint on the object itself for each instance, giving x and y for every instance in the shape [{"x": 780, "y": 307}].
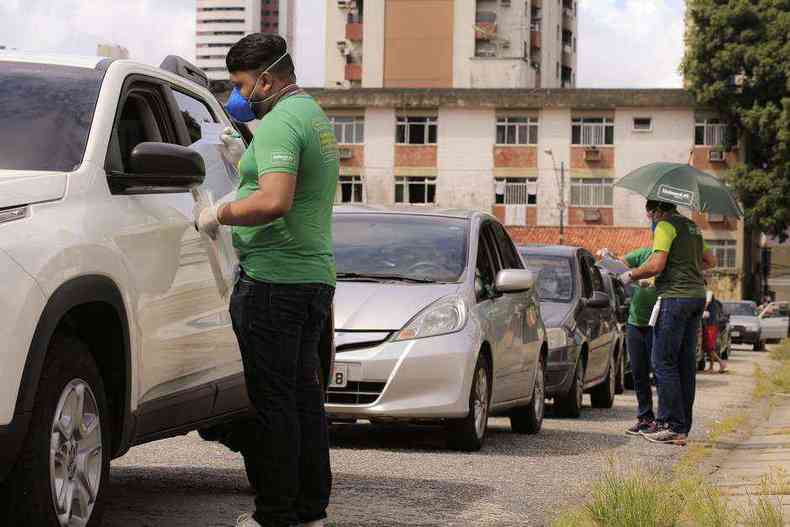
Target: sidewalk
[{"x": 759, "y": 467}]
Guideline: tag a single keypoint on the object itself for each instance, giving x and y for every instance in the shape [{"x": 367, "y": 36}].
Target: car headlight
[
  {"x": 447, "y": 315},
  {"x": 557, "y": 338}
]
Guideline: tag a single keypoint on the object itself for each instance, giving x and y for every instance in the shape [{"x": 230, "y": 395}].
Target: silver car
[{"x": 436, "y": 320}]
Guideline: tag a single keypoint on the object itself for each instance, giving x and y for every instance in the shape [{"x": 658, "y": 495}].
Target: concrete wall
[
  {"x": 551, "y": 46},
  {"x": 463, "y": 43},
  {"x": 465, "y": 158},
  {"x": 554, "y": 134},
  {"x": 373, "y": 38},
  {"x": 335, "y": 32},
  {"x": 380, "y": 155}
]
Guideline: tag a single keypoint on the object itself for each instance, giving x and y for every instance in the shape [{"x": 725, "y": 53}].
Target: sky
[{"x": 622, "y": 43}]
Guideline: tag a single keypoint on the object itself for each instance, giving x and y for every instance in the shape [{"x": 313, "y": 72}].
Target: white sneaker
[{"x": 246, "y": 520}]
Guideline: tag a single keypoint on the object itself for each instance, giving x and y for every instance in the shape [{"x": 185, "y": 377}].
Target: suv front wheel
[{"x": 65, "y": 461}]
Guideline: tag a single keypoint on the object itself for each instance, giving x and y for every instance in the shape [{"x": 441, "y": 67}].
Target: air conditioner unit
[
  {"x": 592, "y": 154},
  {"x": 345, "y": 153},
  {"x": 716, "y": 218},
  {"x": 717, "y": 156},
  {"x": 346, "y": 4},
  {"x": 592, "y": 215},
  {"x": 504, "y": 3}
]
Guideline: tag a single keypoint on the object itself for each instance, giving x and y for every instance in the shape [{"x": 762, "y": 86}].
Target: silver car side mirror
[{"x": 514, "y": 280}]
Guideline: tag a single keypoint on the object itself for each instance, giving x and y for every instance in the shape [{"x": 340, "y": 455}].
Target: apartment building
[
  {"x": 451, "y": 43},
  {"x": 113, "y": 51},
  {"x": 509, "y": 152},
  {"x": 222, "y": 23}
]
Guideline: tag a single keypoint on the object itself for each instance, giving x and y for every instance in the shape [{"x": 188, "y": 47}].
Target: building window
[
  {"x": 415, "y": 190},
  {"x": 416, "y": 131},
  {"x": 710, "y": 132},
  {"x": 592, "y": 192},
  {"x": 485, "y": 49},
  {"x": 592, "y": 131},
  {"x": 643, "y": 124},
  {"x": 350, "y": 189},
  {"x": 517, "y": 130},
  {"x": 725, "y": 252},
  {"x": 516, "y": 191},
  {"x": 349, "y": 130}
]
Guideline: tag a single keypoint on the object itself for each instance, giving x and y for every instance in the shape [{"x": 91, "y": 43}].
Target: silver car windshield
[
  {"x": 45, "y": 115},
  {"x": 391, "y": 247},
  {"x": 555, "y": 278},
  {"x": 740, "y": 309}
]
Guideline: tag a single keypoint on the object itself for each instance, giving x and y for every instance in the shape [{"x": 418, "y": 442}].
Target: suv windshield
[
  {"x": 45, "y": 115},
  {"x": 555, "y": 278},
  {"x": 740, "y": 309},
  {"x": 417, "y": 248}
]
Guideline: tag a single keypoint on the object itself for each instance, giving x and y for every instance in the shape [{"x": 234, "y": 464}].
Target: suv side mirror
[
  {"x": 514, "y": 280},
  {"x": 160, "y": 168},
  {"x": 599, "y": 300}
]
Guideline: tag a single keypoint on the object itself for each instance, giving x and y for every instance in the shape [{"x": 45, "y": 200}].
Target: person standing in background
[{"x": 711, "y": 319}]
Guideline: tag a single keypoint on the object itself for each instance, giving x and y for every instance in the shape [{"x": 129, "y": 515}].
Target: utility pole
[{"x": 561, "y": 204}]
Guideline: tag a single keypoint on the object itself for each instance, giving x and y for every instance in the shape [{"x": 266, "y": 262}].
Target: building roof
[
  {"x": 577, "y": 99},
  {"x": 619, "y": 240}
]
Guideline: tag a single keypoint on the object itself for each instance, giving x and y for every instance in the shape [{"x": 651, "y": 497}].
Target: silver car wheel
[
  {"x": 75, "y": 455},
  {"x": 481, "y": 402}
]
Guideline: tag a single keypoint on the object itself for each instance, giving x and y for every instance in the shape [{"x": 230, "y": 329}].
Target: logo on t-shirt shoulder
[{"x": 282, "y": 157}]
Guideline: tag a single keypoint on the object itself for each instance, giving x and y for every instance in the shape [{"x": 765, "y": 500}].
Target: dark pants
[
  {"x": 640, "y": 346},
  {"x": 278, "y": 328},
  {"x": 674, "y": 360}
]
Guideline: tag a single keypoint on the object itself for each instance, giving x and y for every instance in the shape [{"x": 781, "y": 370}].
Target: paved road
[{"x": 393, "y": 476}]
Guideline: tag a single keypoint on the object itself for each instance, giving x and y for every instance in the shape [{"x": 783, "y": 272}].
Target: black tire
[
  {"x": 619, "y": 384},
  {"x": 529, "y": 419},
  {"x": 252, "y": 478},
  {"x": 759, "y": 345},
  {"x": 701, "y": 364},
  {"x": 68, "y": 364},
  {"x": 464, "y": 434},
  {"x": 602, "y": 396},
  {"x": 570, "y": 403}
]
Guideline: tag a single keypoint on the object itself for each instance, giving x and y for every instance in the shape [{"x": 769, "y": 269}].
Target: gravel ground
[{"x": 404, "y": 476}]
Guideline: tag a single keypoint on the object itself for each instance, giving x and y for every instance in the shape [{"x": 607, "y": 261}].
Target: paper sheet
[
  {"x": 654, "y": 314},
  {"x": 210, "y": 132}
]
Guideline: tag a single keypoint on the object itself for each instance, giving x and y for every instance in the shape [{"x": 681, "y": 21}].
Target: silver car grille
[{"x": 355, "y": 393}]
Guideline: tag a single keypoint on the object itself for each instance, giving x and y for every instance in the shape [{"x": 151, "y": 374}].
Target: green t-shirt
[
  {"x": 682, "y": 240},
  {"x": 294, "y": 138},
  {"x": 644, "y": 298}
]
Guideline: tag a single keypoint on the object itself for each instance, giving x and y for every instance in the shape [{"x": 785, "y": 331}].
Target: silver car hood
[
  {"x": 363, "y": 306},
  {"x": 744, "y": 321}
]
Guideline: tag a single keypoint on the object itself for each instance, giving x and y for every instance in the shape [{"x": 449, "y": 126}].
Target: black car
[
  {"x": 581, "y": 325},
  {"x": 621, "y": 300}
]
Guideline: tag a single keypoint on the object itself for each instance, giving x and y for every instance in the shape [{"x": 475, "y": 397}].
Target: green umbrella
[{"x": 682, "y": 185}]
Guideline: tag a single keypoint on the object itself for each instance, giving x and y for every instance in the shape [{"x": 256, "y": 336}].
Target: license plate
[
  {"x": 339, "y": 376},
  {"x": 735, "y": 334}
]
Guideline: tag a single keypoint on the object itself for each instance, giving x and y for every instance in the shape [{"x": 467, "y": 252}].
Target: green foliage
[{"x": 738, "y": 62}]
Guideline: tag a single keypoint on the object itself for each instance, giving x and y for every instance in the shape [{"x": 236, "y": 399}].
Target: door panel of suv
[
  {"x": 600, "y": 351},
  {"x": 181, "y": 319}
]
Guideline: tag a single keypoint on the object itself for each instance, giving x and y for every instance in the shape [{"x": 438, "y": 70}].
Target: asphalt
[{"x": 405, "y": 476}]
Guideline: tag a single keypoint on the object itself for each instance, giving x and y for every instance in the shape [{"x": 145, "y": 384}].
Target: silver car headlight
[
  {"x": 557, "y": 338},
  {"x": 447, "y": 315}
]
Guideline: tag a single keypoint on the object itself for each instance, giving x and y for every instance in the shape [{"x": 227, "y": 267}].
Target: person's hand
[
  {"x": 234, "y": 146},
  {"x": 604, "y": 253},
  {"x": 706, "y": 314},
  {"x": 208, "y": 221},
  {"x": 626, "y": 278}
]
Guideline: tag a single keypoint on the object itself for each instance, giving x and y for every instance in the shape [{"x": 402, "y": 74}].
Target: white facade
[{"x": 220, "y": 24}]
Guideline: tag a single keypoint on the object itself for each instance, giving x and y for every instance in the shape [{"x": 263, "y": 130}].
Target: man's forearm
[
  {"x": 250, "y": 212},
  {"x": 644, "y": 272}
]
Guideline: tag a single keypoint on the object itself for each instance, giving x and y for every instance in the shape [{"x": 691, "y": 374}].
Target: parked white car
[
  {"x": 775, "y": 321},
  {"x": 437, "y": 320},
  {"x": 115, "y": 328}
]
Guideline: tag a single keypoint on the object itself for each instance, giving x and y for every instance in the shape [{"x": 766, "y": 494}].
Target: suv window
[
  {"x": 510, "y": 258},
  {"x": 595, "y": 275},
  {"x": 222, "y": 178},
  {"x": 619, "y": 292},
  {"x": 485, "y": 271},
  {"x": 142, "y": 119},
  {"x": 587, "y": 284},
  {"x": 45, "y": 115}
]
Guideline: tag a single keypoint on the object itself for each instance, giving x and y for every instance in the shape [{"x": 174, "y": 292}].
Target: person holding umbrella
[{"x": 679, "y": 258}]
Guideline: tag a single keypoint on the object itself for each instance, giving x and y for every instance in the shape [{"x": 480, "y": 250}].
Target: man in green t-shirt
[
  {"x": 679, "y": 257},
  {"x": 282, "y": 230},
  {"x": 639, "y": 341}
]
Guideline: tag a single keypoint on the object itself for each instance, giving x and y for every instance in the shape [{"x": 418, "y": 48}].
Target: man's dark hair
[
  {"x": 258, "y": 51},
  {"x": 662, "y": 206}
]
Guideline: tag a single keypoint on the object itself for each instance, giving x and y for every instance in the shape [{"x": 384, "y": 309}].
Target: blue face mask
[
  {"x": 653, "y": 225},
  {"x": 238, "y": 107}
]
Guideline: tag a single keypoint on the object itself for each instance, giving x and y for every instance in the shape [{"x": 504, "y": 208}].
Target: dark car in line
[
  {"x": 621, "y": 300},
  {"x": 581, "y": 326}
]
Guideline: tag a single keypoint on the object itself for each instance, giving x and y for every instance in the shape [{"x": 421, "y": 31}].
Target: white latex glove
[
  {"x": 626, "y": 278},
  {"x": 603, "y": 253},
  {"x": 234, "y": 146},
  {"x": 208, "y": 222}
]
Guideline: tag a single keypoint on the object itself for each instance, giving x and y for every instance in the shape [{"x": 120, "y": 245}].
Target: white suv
[{"x": 114, "y": 326}]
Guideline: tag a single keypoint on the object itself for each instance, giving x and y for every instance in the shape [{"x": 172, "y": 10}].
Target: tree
[{"x": 737, "y": 61}]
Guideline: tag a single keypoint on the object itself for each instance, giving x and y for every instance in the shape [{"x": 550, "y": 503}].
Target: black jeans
[
  {"x": 640, "y": 346},
  {"x": 278, "y": 328},
  {"x": 675, "y": 360}
]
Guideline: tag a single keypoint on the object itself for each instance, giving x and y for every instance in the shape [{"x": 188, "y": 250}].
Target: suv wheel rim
[
  {"x": 75, "y": 454},
  {"x": 540, "y": 393},
  {"x": 481, "y": 402}
]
